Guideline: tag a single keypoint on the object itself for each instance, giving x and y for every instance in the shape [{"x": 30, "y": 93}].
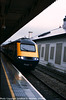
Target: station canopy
[{"x": 14, "y": 14}]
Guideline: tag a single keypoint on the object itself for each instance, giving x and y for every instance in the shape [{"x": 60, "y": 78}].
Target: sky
[{"x": 50, "y": 18}]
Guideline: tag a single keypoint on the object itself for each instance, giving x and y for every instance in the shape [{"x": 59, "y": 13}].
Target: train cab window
[{"x": 27, "y": 47}]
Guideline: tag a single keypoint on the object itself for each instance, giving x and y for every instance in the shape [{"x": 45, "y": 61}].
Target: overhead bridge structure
[{"x": 14, "y": 14}]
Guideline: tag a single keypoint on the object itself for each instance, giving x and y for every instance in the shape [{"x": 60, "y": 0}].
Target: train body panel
[{"x": 26, "y": 53}]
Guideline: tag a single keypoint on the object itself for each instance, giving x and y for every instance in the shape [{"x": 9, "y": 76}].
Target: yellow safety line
[{"x": 10, "y": 88}]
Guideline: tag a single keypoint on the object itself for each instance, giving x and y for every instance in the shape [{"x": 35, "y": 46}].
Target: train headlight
[
  {"x": 35, "y": 58},
  {"x": 19, "y": 57},
  {"x": 22, "y": 57}
]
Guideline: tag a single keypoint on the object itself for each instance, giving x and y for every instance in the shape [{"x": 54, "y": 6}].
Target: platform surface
[{"x": 19, "y": 86}]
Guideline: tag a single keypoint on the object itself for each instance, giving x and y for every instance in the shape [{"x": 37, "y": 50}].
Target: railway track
[
  {"x": 53, "y": 73},
  {"x": 47, "y": 85}
]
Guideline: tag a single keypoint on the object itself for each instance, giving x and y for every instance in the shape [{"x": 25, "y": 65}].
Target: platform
[{"x": 15, "y": 85}]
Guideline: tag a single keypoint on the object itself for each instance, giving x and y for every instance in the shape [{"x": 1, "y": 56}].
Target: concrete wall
[{"x": 53, "y": 51}]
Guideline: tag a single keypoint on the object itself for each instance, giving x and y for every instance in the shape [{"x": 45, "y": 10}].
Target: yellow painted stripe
[{"x": 9, "y": 85}]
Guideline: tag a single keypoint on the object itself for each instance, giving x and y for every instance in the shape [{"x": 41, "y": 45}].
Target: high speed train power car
[{"x": 24, "y": 52}]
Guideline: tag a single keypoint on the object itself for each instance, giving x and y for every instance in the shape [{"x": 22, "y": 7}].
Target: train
[{"x": 23, "y": 52}]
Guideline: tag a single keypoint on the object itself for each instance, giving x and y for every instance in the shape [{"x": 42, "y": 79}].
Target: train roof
[{"x": 25, "y": 41}]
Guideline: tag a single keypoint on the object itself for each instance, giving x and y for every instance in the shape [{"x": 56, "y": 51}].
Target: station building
[{"x": 52, "y": 48}]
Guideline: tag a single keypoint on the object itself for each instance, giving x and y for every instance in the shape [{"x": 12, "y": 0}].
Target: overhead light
[
  {"x": 3, "y": 23},
  {"x": 3, "y": 26}
]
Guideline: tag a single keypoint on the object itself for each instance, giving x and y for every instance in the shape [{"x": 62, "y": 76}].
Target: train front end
[{"x": 27, "y": 53}]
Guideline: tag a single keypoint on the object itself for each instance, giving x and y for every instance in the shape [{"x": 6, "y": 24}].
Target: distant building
[{"x": 52, "y": 47}]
